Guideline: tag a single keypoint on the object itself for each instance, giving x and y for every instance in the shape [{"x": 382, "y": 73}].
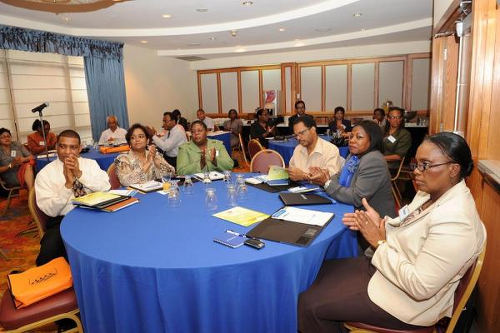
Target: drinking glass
[
  {"x": 241, "y": 191},
  {"x": 227, "y": 176},
  {"x": 231, "y": 195},
  {"x": 188, "y": 185},
  {"x": 173, "y": 196},
  {"x": 210, "y": 199},
  {"x": 206, "y": 177}
]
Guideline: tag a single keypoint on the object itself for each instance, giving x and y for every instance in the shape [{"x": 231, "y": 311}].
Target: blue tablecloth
[
  {"x": 152, "y": 268},
  {"x": 285, "y": 148},
  {"x": 104, "y": 160},
  {"x": 225, "y": 138}
]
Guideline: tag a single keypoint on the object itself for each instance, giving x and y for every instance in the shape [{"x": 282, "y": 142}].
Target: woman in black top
[
  {"x": 339, "y": 123},
  {"x": 261, "y": 129}
]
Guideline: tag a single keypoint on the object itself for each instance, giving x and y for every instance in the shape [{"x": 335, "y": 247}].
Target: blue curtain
[
  {"x": 103, "y": 68},
  {"x": 106, "y": 91}
]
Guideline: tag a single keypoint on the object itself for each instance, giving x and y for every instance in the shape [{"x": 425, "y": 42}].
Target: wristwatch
[
  {"x": 327, "y": 183},
  {"x": 380, "y": 242}
]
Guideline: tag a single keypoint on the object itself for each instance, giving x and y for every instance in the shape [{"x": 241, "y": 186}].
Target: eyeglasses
[
  {"x": 301, "y": 133},
  {"x": 394, "y": 117},
  {"x": 422, "y": 167}
]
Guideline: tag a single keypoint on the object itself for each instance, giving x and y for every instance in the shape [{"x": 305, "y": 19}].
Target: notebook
[
  {"x": 147, "y": 187},
  {"x": 294, "y": 199},
  {"x": 283, "y": 231},
  {"x": 99, "y": 200},
  {"x": 274, "y": 189}
]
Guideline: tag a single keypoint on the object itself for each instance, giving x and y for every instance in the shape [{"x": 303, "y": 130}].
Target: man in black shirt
[{"x": 300, "y": 111}]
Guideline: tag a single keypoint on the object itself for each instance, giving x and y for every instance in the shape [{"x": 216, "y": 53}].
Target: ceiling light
[
  {"x": 247, "y": 3},
  {"x": 358, "y": 14},
  {"x": 240, "y": 49},
  {"x": 66, "y": 19},
  {"x": 234, "y": 33},
  {"x": 166, "y": 16},
  {"x": 202, "y": 10},
  {"x": 298, "y": 43},
  {"x": 211, "y": 38},
  {"x": 144, "y": 41},
  {"x": 281, "y": 29}
]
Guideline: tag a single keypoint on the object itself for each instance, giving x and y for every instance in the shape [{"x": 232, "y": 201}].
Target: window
[{"x": 28, "y": 79}]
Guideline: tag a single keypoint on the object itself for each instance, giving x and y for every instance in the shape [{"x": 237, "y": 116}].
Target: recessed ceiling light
[
  {"x": 247, "y": 3},
  {"x": 144, "y": 41},
  {"x": 240, "y": 49},
  {"x": 211, "y": 38},
  {"x": 281, "y": 29},
  {"x": 202, "y": 10},
  {"x": 233, "y": 33},
  {"x": 194, "y": 44},
  {"x": 66, "y": 19},
  {"x": 166, "y": 16},
  {"x": 358, "y": 14}
]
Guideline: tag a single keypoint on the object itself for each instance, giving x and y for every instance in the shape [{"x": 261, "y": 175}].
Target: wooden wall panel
[{"x": 449, "y": 85}]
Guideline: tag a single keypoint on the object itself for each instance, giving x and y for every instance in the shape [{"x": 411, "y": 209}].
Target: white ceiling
[{"x": 310, "y": 24}]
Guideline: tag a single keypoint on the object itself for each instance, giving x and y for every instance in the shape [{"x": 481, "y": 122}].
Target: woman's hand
[
  {"x": 318, "y": 176},
  {"x": 373, "y": 231},
  {"x": 152, "y": 152},
  {"x": 349, "y": 219}
]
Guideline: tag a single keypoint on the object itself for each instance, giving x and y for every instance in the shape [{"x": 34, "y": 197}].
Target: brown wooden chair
[
  {"x": 12, "y": 192},
  {"x": 254, "y": 147},
  {"x": 114, "y": 181},
  {"x": 263, "y": 160},
  {"x": 462, "y": 294},
  {"x": 60, "y": 306},
  {"x": 40, "y": 217}
]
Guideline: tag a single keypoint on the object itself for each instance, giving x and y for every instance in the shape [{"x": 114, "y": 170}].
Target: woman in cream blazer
[{"x": 419, "y": 256}]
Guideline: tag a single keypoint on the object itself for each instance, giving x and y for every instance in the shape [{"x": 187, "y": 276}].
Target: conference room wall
[{"x": 157, "y": 84}]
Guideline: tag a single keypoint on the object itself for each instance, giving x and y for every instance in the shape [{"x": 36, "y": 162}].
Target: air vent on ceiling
[{"x": 191, "y": 58}]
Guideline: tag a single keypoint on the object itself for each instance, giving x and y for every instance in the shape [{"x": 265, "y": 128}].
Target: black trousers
[
  {"x": 51, "y": 244},
  {"x": 339, "y": 294},
  {"x": 171, "y": 160}
]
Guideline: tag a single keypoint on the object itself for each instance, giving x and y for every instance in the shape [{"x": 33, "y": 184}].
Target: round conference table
[
  {"x": 153, "y": 268},
  {"x": 104, "y": 160},
  {"x": 286, "y": 148}
]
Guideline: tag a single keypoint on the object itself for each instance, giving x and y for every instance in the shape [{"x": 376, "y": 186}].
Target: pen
[{"x": 235, "y": 233}]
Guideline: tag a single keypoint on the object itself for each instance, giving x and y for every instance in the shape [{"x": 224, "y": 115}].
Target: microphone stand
[{"x": 40, "y": 115}]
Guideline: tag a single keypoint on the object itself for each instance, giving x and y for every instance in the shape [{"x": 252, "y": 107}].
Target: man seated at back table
[
  {"x": 300, "y": 111},
  {"x": 170, "y": 142},
  {"x": 207, "y": 121},
  {"x": 312, "y": 151},
  {"x": 114, "y": 134},
  {"x": 63, "y": 179}
]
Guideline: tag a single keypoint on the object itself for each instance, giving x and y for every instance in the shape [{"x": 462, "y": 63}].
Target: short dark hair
[
  {"x": 374, "y": 132},
  {"x": 131, "y": 130},
  {"x": 232, "y": 110},
  {"x": 38, "y": 125},
  {"x": 200, "y": 110},
  {"x": 171, "y": 115},
  {"x": 397, "y": 108},
  {"x": 260, "y": 111},
  {"x": 339, "y": 109},
  {"x": 300, "y": 102},
  {"x": 382, "y": 111},
  {"x": 456, "y": 148},
  {"x": 176, "y": 113},
  {"x": 199, "y": 122},
  {"x": 69, "y": 133},
  {"x": 307, "y": 121},
  {"x": 3, "y": 130}
]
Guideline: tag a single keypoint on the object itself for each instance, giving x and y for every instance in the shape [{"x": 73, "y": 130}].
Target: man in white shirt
[
  {"x": 114, "y": 134},
  {"x": 170, "y": 142},
  {"x": 207, "y": 121},
  {"x": 312, "y": 151},
  {"x": 63, "y": 179}
]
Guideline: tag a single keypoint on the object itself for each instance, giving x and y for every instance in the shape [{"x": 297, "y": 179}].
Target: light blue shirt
[{"x": 171, "y": 141}]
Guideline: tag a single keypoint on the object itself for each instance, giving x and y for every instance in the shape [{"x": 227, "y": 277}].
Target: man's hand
[
  {"x": 111, "y": 139},
  {"x": 68, "y": 176},
  {"x": 296, "y": 174},
  {"x": 72, "y": 163}
]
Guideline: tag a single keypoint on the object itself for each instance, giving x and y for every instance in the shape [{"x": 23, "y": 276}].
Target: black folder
[
  {"x": 295, "y": 199},
  {"x": 282, "y": 231},
  {"x": 275, "y": 189}
]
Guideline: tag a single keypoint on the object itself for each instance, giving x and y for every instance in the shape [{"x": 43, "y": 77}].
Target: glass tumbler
[
  {"x": 173, "y": 196},
  {"x": 188, "y": 185},
  {"x": 210, "y": 199},
  {"x": 231, "y": 195}
]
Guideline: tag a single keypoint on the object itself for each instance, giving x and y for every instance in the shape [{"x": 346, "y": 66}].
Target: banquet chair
[
  {"x": 446, "y": 325},
  {"x": 60, "y": 306},
  {"x": 394, "y": 186},
  {"x": 113, "y": 177},
  {"x": 40, "y": 217},
  {"x": 241, "y": 147},
  {"x": 254, "y": 147},
  {"x": 263, "y": 160},
  {"x": 12, "y": 192}
]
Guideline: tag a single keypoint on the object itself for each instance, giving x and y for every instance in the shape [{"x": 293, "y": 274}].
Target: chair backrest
[
  {"x": 254, "y": 147},
  {"x": 40, "y": 217},
  {"x": 242, "y": 147},
  {"x": 263, "y": 160},
  {"x": 114, "y": 181},
  {"x": 465, "y": 288},
  {"x": 399, "y": 169},
  {"x": 4, "y": 185}
]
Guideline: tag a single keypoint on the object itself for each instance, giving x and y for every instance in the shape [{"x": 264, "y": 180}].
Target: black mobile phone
[{"x": 255, "y": 243}]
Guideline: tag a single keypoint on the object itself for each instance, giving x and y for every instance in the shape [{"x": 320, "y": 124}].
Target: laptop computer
[{"x": 295, "y": 199}]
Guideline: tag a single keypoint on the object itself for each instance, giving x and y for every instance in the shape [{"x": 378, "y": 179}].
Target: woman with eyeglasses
[
  {"x": 364, "y": 174},
  {"x": 397, "y": 140},
  {"x": 419, "y": 257},
  {"x": 142, "y": 163}
]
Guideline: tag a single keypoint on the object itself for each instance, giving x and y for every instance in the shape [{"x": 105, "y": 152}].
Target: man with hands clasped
[{"x": 63, "y": 179}]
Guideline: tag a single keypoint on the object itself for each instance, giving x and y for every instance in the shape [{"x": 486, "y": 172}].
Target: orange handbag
[
  {"x": 40, "y": 282},
  {"x": 111, "y": 150}
]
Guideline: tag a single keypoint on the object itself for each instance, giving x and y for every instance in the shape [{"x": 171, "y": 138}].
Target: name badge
[
  {"x": 41, "y": 143},
  {"x": 13, "y": 153},
  {"x": 403, "y": 213},
  {"x": 391, "y": 138}
]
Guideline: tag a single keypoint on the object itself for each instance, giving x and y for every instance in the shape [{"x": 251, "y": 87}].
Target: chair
[
  {"x": 114, "y": 181},
  {"x": 394, "y": 186},
  {"x": 264, "y": 159},
  {"x": 241, "y": 147},
  {"x": 60, "y": 306},
  {"x": 12, "y": 192},
  {"x": 254, "y": 147},
  {"x": 462, "y": 294},
  {"x": 40, "y": 217}
]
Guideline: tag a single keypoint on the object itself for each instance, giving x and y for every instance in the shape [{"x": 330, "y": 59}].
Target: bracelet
[{"x": 380, "y": 242}]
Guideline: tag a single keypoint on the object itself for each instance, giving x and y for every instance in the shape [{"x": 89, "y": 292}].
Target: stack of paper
[
  {"x": 242, "y": 216},
  {"x": 300, "y": 215}
]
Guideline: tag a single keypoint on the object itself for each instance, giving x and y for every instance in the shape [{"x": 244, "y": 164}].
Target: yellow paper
[
  {"x": 276, "y": 172},
  {"x": 95, "y": 198},
  {"x": 241, "y": 216}
]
